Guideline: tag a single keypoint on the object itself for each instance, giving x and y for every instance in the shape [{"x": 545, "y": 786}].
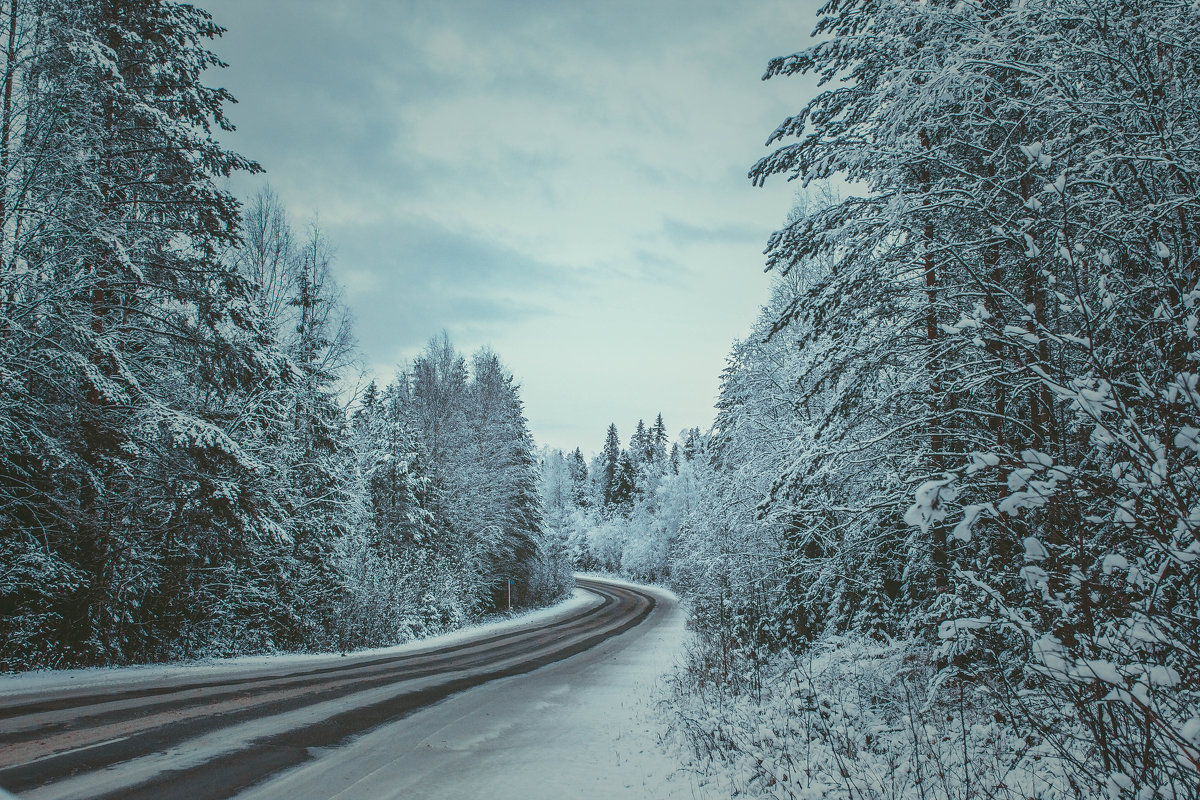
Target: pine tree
[
  {"x": 625, "y": 482},
  {"x": 658, "y": 442},
  {"x": 692, "y": 443},
  {"x": 610, "y": 458},
  {"x": 368, "y": 401},
  {"x": 640, "y": 451},
  {"x": 579, "y": 477}
]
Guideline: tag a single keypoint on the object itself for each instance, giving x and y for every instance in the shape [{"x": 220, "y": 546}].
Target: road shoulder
[{"x": 585, "y": 727}]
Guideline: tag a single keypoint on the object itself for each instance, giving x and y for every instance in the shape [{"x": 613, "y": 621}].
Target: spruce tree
[
  {"x": 640, "y": 445},
  {"x": 625, "y": 482},
  {"x": 658, "y": 441},
  {"x": 610, "y": 459},
  {"x": 129, "y": 450},
  {"x": 579, "y": 477}
]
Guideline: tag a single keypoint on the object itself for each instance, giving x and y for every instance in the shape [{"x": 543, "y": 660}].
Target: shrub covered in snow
[{"x": 861, "y": 718}]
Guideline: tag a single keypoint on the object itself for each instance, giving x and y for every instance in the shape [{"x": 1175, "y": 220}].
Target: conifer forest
[
  {"x": 180, "y": 475},
  {"x": 940, "y": 539}
]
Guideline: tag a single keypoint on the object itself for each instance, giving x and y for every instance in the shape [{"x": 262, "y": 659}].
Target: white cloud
[{"x": 593, "y": 157}]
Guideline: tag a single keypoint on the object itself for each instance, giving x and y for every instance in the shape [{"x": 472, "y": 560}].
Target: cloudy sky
[{"x": 562, "y": 181}]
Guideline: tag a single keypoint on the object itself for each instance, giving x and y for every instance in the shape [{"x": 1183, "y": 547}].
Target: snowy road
[{"x": 538, "y": 709}]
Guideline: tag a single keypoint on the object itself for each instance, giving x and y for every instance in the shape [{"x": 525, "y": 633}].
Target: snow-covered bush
[{"x": 860, "y": 718}]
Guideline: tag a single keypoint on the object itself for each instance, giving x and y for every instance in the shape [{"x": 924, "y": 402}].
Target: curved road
[{"x": 213, "y": 738}]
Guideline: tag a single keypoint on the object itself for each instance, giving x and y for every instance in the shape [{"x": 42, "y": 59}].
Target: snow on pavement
[{"x": 581, "y": 728}]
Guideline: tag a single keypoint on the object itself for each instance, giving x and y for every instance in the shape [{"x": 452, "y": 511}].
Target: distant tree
[
  {"x": 692, "y": 443},
  {"x": 320, "y": 349},
  {"x": 507, "y": 469},
  {"x": 485, "y": 472},
  {"x": 579, "y": 477},
  {"x": 368, "y": 401},
  {"x": 610, "y": 459},
  {"x": 658, "y": 442},
  {"x": 556, "y": 486},
  {"x": 393, "y": 559},
  {"x": 640, "y": 449},
  {"x": 625, "y": 482}
]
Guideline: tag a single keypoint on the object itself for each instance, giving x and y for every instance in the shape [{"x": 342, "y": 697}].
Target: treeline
[
  {"x": 178, "y": 473},
  {"x": 457, "y": 429},
  {"x": 946, "y": 541},
  {"x": 621, "y": 512}
]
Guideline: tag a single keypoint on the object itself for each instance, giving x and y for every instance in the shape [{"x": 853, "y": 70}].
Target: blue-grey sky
[{"x": 562, "y": 181}]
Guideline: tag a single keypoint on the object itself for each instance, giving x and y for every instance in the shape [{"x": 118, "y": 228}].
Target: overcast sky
[{"x": 562, "y": 181}]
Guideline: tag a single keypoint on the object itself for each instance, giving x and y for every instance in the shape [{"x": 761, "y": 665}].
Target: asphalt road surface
[{"x": 422, "y": 723}]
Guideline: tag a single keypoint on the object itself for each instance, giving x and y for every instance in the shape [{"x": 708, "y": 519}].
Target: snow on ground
[
  {"x": 41, "y": 681},
  {"x": 585, "y": 728}
]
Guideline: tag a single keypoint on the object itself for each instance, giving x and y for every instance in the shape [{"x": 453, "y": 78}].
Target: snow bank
[{"x": 50, "y": 681}]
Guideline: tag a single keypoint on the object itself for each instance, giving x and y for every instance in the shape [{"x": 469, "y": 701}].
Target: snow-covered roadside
[
  {"x": 656, "y": 763},
  {"x": 48, "y": 681},
  {"x": 586, "y": 727}
]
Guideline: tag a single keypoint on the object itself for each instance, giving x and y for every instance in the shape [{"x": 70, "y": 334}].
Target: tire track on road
[{"x": 211, "y": 739}]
